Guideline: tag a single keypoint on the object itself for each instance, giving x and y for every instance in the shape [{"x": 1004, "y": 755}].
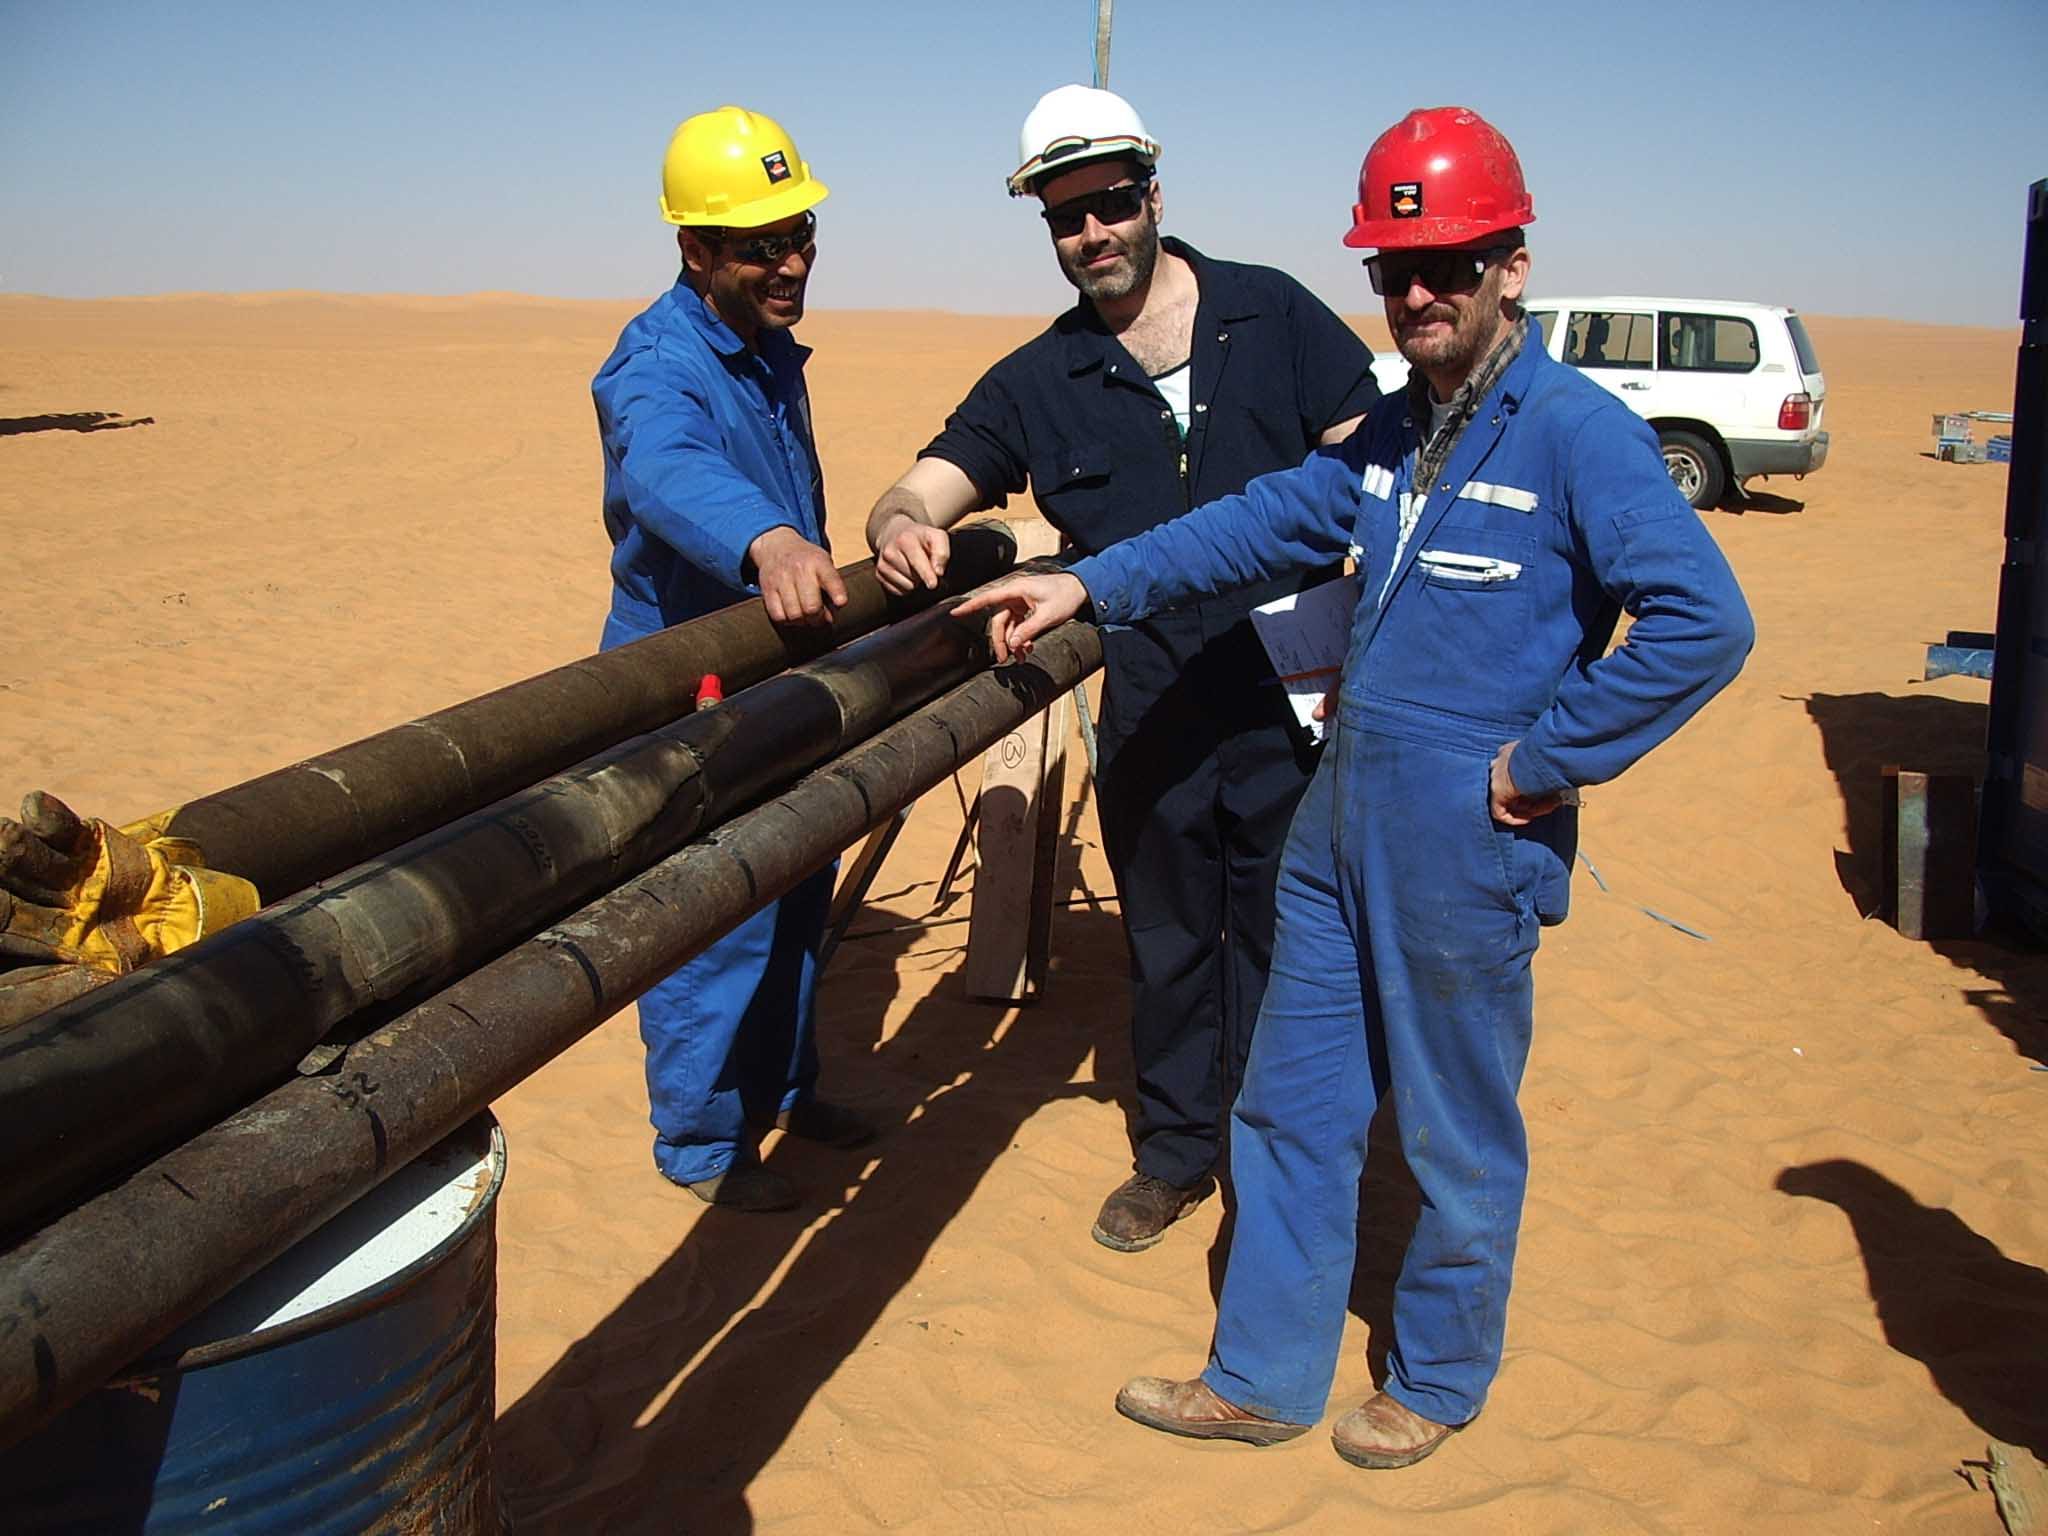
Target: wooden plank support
[
  {"x": 1929, "y": 858},
  {"x": 1017, "y": 823}
]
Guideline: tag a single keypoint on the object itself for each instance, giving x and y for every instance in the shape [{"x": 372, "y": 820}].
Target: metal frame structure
[{"x": 2012, "y": 841}]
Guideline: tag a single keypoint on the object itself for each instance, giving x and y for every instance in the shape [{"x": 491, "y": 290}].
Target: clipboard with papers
[{"x": 1305, "y": 635}]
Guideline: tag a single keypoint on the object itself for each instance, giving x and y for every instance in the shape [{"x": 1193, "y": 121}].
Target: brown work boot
[
  {"x": 832, "y": 1124},
  {"x": 1383, "y": 1433},
  {"x": 1139, "y": 1210},
  {"x": 1190, "y": 1408},
  {"x": 747, "y": 1185}
]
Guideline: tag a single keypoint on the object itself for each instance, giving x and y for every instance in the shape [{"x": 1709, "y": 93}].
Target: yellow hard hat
[{"x": 737, "y": 169}]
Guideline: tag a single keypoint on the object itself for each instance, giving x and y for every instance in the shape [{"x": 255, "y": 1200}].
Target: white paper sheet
[{"x": 1305, "y": 635}]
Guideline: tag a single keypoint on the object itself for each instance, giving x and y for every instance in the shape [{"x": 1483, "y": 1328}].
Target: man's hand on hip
[
  {"x": 798, "y": 581},
  {"x": 1512, "y": 808},
  {"x": 911, "y": 554}
]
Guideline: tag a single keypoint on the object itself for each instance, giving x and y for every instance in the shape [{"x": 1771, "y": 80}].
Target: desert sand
[{"x": 1781, "y": 1267}]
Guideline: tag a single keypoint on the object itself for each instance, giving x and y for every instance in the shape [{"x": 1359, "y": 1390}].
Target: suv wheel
[{"x": 1694, "y": 466}]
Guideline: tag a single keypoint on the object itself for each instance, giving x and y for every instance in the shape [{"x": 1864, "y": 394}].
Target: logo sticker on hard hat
[
  {"x": 776, "y": 165},
  {"x": 1406, "y": 197}
]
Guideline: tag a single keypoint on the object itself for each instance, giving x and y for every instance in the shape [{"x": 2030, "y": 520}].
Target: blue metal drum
[{"x": 349, "y": 1387}]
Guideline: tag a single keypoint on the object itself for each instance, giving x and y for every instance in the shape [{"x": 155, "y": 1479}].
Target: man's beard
[
  {"x": 1141, "y": 254},
  {"x": 1474, "y": 329}
]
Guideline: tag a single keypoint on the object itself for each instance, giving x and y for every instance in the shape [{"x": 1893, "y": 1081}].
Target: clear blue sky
[{"x": 1845, "y": 158}]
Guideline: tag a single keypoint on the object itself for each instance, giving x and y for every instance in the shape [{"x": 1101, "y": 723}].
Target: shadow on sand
[
  {"x": 674, "y": 1403},
  {"x": 1946, "y": 1297},
  {"x": 1761, "y": 501},
  {"x": 1862, "y": 732},
  {"x": 74, "y": 421}
]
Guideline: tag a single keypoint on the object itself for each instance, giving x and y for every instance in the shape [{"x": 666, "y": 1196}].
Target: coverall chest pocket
[
  {"x": 1470, "y": 606},
  {"x": 1072, "y": 485}
]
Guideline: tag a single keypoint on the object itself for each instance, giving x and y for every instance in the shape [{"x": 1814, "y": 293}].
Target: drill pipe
[
  {"x": 90, "y": 1087},
  {"x": 76, "y": 1306},
  {"x": 306, "y": 822}
]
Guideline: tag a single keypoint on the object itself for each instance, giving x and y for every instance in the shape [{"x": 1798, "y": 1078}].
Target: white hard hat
[{"x": 1074, "y": 124}]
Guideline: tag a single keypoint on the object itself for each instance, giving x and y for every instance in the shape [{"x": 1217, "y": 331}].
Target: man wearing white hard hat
[{"x": 1174, "y": 380}]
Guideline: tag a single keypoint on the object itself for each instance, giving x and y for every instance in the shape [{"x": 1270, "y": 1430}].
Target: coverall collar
[
  {"x": 1436, "y": 443},
  {"x": 778, "y": 349},
  {"x": 1488, "y": 418},
  {"x": 1219, "y": 297}
]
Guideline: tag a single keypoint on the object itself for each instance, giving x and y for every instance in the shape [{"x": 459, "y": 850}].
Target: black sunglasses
[
  {"x": 1112, "y": 205},
  {"x": 766, "y": 250},
  {"x": 1396, "y": 272}
]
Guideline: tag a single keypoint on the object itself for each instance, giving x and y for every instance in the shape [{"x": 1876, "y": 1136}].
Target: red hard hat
[{"x": 1440, "y": 176}]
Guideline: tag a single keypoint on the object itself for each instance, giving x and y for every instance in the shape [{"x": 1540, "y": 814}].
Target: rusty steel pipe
[
  {"x": 76, "y": 1305},
  {"x": 310, "y": 820},
  {"x": 91, "y": 1086}
]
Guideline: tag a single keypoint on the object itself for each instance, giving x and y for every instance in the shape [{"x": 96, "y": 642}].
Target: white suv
[{"x": 1734, "y": 390}]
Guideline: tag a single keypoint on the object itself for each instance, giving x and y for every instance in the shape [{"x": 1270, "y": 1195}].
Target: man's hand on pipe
[
  {"x": 798, "y": 581},
  {"x": 911, "y": 555},
  {"x": 1021, "y": 608},
  {"x": 79, "y": 892}
]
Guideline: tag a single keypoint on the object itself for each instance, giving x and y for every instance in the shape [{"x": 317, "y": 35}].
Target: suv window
[
  {"x": 1608, "y": 340},
  {"x": 1547, "y": 318},
  {"x": 1707, "y": 343},
  {"x": 1809, "y": 360}
]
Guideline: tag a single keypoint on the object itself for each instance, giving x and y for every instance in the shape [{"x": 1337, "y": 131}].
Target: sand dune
[{"x": 1781, "y": 1269}]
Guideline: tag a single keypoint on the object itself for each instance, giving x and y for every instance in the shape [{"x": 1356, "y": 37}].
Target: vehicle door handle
[{"x": 1633, "y": 384}]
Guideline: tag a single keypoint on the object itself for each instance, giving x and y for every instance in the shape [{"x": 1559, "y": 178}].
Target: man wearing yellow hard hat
[{"x": 713, "y": 494}]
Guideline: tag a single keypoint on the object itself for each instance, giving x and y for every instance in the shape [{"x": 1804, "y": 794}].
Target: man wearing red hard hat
[{"x": 1503, "y": 514}]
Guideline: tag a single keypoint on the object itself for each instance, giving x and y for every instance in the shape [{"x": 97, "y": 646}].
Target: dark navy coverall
[
  {"x": 707, "y": 446},
  {"x": 1200, "y": 766},
  {"x": 1407, "y": 915}
]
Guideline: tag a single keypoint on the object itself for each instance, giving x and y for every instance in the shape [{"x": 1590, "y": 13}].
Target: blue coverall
[
  {"x": 707, "y": 446},
  {"x": 1407, "y": 915}
]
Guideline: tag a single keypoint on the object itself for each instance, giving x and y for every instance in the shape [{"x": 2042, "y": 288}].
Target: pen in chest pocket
[{"x": 1479, "y": 569}]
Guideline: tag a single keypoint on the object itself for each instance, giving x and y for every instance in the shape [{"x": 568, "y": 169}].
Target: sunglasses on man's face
[
  {"x": 767, "y": 250},
  {"x": 1112, "y": 205},
  {"x": 1395, "y": 272}
]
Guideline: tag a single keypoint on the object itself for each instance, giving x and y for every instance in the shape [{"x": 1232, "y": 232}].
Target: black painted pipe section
[
  {"x": 310, "y": 820},
  {"x": 92, "y": 1086},
  {"x": 102, "y": 1284}
]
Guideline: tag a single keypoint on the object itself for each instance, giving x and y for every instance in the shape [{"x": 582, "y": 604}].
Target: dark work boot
[
  {"x": 822, "y": 1121},
  {"x": 747, "y": 1185},
  {"x": 1139, "y": 1210}
]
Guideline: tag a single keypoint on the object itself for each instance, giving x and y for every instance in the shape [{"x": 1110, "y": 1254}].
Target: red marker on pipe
[{"x": 710, "y": 691}]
